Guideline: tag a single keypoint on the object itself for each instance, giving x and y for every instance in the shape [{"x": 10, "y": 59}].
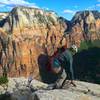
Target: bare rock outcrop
[
  {"x": 18, "y": 89},
  {"x": 87, "y": 22},
  {"x": 83, "y": 91}
]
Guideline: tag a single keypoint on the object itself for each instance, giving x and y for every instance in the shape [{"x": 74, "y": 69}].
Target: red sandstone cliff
[{"x": 28, "y": 33}]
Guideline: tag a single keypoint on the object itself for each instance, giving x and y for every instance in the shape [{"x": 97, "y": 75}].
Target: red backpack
[{"x": 49, "y": 65}]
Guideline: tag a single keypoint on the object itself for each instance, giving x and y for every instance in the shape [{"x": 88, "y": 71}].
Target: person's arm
[{"x": 71, "y": 69}]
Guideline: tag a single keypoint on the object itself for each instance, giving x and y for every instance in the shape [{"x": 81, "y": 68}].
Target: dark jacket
[{"x": 65, "y": 60}]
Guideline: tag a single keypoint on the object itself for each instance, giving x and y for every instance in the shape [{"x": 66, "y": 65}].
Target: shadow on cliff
[
  {"x": 46, "y": 76},
  {"x": 87, "y": 65}
]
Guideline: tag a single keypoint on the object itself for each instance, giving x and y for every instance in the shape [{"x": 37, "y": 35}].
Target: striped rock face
[{"x": 28, "y": 35}]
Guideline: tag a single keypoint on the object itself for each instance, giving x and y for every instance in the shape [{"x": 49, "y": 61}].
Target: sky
[{"x": 64, "y": 8}]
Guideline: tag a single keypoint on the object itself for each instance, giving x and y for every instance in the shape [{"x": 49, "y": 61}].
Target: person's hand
[
  {"x": 56, "y": 70},
  {"x": 72, "y": 82}
]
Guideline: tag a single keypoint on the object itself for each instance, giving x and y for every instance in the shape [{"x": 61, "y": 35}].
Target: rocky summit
[
  {"x": 88, "y": 23},
  {"x": 29, "y": 35},
  {"x": 18, "y": 89}
]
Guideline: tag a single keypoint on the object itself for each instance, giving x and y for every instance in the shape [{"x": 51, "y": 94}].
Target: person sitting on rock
[{"x": 61, "y": 64}]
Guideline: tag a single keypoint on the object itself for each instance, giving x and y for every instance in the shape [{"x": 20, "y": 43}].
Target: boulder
[
  {"x": 18, "y": 89},
  {"x": 83, "y": 91}
]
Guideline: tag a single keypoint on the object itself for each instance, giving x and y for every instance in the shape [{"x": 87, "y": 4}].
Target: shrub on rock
[{"x": 3, "y": 80}]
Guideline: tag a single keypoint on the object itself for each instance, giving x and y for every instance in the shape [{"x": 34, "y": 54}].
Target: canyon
[{"x": 29, "y": 35}]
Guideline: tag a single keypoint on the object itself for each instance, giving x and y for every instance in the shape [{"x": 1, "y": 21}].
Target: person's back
[{"x": 65, "y": 56}]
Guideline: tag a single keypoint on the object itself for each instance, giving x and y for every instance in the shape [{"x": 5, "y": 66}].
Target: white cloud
[
  {"x": 69, "y": 11},
  {"x": 98, "y": 0},
  {"x": 98, "y": 5},
  {"x": 13, "y": 3}
]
